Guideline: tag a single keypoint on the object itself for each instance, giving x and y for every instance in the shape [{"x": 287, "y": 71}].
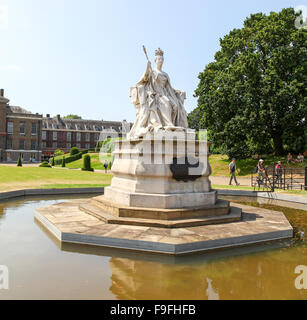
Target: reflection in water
[
  {"x": 211, "y": 294},
  {"x": 44, "y": 270}
]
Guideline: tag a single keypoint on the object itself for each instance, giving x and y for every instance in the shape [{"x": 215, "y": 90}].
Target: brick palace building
[
  {"x": 35, "y": 137},
  {"x": 20, "y": 133}
]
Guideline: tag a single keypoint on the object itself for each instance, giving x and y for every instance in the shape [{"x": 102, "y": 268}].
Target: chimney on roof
[
  {"x": 2, "y": 92},
  {"x": 58, "y": 117},
  {"x": 48, "y": 115}
]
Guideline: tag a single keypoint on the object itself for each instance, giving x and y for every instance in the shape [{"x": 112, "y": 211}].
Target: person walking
[
  {"x": 278, "y": 172},
  {"x": 232, "y": 171},
  {"x": 106, "y": 166},
  {"x": 261, "y": 172}
]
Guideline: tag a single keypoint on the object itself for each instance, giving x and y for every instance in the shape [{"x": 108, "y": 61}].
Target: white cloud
[{"x": 4, "y": 16}]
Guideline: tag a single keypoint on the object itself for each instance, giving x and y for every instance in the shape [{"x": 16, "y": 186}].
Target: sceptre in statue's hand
[{"x": 148, "y": 62}]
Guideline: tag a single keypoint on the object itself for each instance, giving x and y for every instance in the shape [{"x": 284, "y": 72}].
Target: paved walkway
[{"x": 224, "y": 181}]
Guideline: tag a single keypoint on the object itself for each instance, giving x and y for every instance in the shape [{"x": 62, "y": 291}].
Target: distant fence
[{"x": 284, "y": 178}]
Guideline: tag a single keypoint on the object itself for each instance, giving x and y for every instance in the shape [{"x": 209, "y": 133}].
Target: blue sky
[{"x": 81, "y": 56}]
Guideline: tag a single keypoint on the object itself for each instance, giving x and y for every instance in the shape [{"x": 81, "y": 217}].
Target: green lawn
[
  {"x": 219, "y": 164},
  {"x": 61, "y": 186},
  {"x": 12, "y": 178},
  {"x": 96, "y": 161}
]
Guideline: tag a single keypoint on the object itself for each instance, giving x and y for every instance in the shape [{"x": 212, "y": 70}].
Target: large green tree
[{"x": 252, "y": 97}]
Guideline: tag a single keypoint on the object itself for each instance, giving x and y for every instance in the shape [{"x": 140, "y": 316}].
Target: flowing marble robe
[{"x": 158, "y": 105}]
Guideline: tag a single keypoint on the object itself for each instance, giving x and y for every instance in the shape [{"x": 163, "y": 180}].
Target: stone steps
[
  {"x": 221, "y": 208},
  {"x": 233, "y": 216}
]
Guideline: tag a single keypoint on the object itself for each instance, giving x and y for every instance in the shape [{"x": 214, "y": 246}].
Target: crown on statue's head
[{"x": 159, "y": 52}]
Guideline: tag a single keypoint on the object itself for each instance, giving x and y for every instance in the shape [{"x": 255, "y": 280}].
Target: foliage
[
  {"x": 58, "y": 152},
  {"x": 194, "y": 118},
  {"x": 87, "y": 163},
  {"x": 69, "y": 158},
  {"x": 252, "y": 97},
  {"x": 74, "y": 150},
  {"x": 45, "y": 164},
  {"x": 63, "y": 162},
  {"x": 19, "y": 162},
  {"x": 72, "y": 116},
  {"x": 52, "y": 161},
  {"x": 97, "y": 161}
]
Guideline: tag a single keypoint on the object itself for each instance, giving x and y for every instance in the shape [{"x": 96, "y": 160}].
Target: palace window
[
  {"x": 22, "y": 128},
  {"x": 78, "y": 136},
  {"x": 55, "y": 136},
  {"x": 21, "y": 144},
  {"x": 34, "y": 129},
  {"x": 68, "y": 136},
  {"x": 33, "y": 145},
  {"x": 44, "y": 135},
  {"x": 9, "y": 144},
  {"x": 10, "y": 127},
  {"x": 87, "y": 137}
]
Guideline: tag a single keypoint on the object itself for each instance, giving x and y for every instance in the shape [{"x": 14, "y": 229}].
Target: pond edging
[{"x": 225, "y": 192}]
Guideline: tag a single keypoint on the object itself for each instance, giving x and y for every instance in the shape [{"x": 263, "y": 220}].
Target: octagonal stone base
[{"x": 69, "y": 224}]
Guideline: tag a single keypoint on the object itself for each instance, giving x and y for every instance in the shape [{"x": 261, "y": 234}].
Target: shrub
[
  {"x": 52, "y": 161},
  {"x": 58, "y": 153},
  {"x": 63, "y": 162},
  {"x": 110, "y": 165},
  {"x": 87, "y": 163},
  {"x": 19, "y": 162},
  {"x": 74, "y": 150},
  {"x": 45, "y": 164}
]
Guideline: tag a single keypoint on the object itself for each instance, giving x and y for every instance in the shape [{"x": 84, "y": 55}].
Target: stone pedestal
[{"x": 161, "y": 173}]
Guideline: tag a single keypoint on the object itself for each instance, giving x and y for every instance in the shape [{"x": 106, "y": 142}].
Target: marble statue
[{"x": 158, "y": 105}]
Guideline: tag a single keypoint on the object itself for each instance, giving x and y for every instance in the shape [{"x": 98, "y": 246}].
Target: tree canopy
[
  {"x": 252, "y": 97},
  {"x": 72, "y": 116}
]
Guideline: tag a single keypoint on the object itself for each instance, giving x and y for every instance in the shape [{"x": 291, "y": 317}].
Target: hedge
[
  {"x": 58, "y": 162},
  {"x": 19, "y": 162},
  {"x": 45, "y": 164},
  {"x": 87, "y": 163}
]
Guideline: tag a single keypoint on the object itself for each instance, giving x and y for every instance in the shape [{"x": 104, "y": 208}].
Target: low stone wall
[
  {"x": 41, "y": 192},
  {"x": 266, "y": 195},
  {"x": 69, "y": 191}
]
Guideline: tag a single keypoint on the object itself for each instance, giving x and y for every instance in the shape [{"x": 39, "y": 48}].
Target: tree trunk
[{"x": 278, "y": 147}]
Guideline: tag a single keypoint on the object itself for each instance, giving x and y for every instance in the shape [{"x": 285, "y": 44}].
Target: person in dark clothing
[
  {"x": 106, "y": 166},
  {"x": 278, "y": 172},
  {"x": 232, "y": 171}
]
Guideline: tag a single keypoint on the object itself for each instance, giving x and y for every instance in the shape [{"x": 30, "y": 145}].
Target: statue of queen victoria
[{"x": 158, "y": 105}]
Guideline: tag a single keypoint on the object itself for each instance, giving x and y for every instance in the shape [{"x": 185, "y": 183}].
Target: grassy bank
[
  {"x": 219, "y": 164},
  {"x": 12, "y": 178},
  {"x": 96, "y": 161}
]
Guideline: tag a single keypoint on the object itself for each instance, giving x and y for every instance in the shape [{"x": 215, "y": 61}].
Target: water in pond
[{"x": 41, "y": 268}]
